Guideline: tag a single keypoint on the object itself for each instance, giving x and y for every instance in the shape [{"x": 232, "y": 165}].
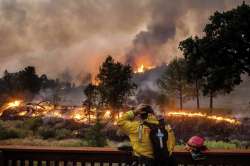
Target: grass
[
  {"x": 41, "y": 142},
  {"x": 33, "y": 132},
  {"x": 234, "y": 144},
  {"x": 220, "y": 145}
]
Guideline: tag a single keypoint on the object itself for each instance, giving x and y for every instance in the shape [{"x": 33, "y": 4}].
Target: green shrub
[
  {"x": 11, "y": 133},
  {"x": 95, "y": 137},
  {"x": 63, "y": 134},
  {"x": 46, "y": 132},
  {"x": 32, "y": 124}
]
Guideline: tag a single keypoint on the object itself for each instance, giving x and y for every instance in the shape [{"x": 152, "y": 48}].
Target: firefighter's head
[{"x": 143, "y": 111}]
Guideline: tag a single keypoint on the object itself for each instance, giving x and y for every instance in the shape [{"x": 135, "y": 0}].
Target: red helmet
[{"x": 196, "y": 142}]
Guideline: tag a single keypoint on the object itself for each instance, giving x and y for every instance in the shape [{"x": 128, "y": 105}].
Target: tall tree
[
  {"x": 115, "y": 83},
  {"x": 92, "y": 100},
  {"x": 229, "y": 34},
  {"x": 174, "y": 81},
  {"x": 29, "y": 80},
  {"x": 223, "y": 52},
  {"x": 194, "y": 64}
]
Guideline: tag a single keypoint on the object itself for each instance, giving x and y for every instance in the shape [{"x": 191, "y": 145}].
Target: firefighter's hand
[
  {"x": 142, "y": 109},
  {"x": 136, "y": 112}
]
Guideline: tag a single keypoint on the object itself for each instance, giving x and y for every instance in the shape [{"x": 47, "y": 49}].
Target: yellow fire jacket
[{"x": 131, "y": 127}]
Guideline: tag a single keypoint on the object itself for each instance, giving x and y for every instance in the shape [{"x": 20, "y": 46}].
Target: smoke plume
[
  {"x": 171, "y": 22},
  {"x": 76, "y": 35}
]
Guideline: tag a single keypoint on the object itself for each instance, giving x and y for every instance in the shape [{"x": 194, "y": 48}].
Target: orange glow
[
  {"x": 23, "y": 113},
  {"x": 143, "y": 63},
  {"x": 107, "y": 114},
  {"x": 56, "y": 114},
  {"x": 95, "y": 82},
  {"x": 81, "y": 114},
  {"x": 142, "y": 68},
  {"x": 14, "y": 104},
  {"x": 203, "y": 115}
]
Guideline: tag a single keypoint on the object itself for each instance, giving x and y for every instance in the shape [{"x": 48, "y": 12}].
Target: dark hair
[
  {"x": 144, "y": 116},
  {"x": 147, "y": 109}
]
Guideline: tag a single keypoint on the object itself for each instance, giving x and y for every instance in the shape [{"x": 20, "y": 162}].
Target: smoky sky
[{"x": 76, "y": 35}]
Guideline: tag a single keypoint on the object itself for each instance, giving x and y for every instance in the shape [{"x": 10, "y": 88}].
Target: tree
[
  {"x": 24, "y": 83},
  {"x": 9, "y": 82},
  {"x": 95, "y": 136},
  {"x": 47, "y": 83},
  {"x": 174, "y": 81},
  {"x": 29, "y": 80},
  {"x": 226, "y": 47},
  {"x": 230, "y": 33},
  {"x": 115, "y": 83},
  {"x": 195, "y": 67},
  {"x": 92, "y": 93},
  {"x": 222, "y": 53}
]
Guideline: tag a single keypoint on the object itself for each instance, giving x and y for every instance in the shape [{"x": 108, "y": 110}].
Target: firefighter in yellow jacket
[{"x": 131, "y": 124}]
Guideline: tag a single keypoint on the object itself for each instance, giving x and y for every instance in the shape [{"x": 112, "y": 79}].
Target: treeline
[
  {"x": 26, "y": 84},
  {"x": 214, "y": 63}
]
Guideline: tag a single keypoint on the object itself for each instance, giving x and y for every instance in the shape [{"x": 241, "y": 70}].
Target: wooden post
[{"x": 1, "y": 159}]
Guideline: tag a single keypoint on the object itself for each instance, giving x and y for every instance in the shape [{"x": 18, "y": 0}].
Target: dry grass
[{"x": 41, "y": 142}]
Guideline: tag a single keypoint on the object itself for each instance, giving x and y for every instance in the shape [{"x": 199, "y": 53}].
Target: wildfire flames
[
  {"x": 142, "y": 68},
  {"x": 82, "y": 115},
  {"x": 14, "y": 104},
  {"x": 45, "y": 109},
  {"x": 203, "y": 115}
]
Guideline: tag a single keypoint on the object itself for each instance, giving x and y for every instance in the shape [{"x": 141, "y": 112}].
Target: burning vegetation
[
  {"x": 142, "y": 68},
  {"x": 81, "y": 114},
  {"x": 61, "y": 122},
  {"x": 232, "y": 121}
]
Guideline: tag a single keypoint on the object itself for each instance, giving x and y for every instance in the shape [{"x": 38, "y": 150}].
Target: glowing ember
[
  {"x": 23, "y": 113},
  {"x": 14, "y": 104},
  {"x": 142, "y": 68},
  {"x": 56, "y": 114},
  {"x": 120, "y": 114},
  {"x": 95, "y": 82},
  {"x": 107, "y": 114},
  {"x": 78, "y": 115},
  {"x": 199, "y": 114}
]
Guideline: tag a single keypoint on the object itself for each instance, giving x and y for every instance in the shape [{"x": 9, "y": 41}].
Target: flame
[
  {"x": 14, "y": 104},
  {"x": 81, "y": 115},
  {"x": 95, "y": 82},
  {"x": 23, "y": 113},
  {"x": 107, "y": 114},
  {"x": 77, "y": 116},
  {"x": 142, "y": 68},
  {"x": 56, "y": 114},
  {"x": 203, "y": 115},
  {"x": 120, "y": 114}
]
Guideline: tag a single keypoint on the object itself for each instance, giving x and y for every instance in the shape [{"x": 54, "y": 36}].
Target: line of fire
[{"x": 81, "y": 114}]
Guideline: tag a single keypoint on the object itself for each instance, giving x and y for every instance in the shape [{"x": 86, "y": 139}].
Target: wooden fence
[{"x": 62, "y": 156}]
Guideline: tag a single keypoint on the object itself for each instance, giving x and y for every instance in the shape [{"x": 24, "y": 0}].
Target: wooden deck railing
[{"x": 60, "y": 156}]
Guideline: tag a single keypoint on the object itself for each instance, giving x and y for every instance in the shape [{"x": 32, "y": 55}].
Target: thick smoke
[
  {"x": 59, "y": 35},
  {"x": 76, "y": 35},
  {"x": 171, "y": 22}
]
